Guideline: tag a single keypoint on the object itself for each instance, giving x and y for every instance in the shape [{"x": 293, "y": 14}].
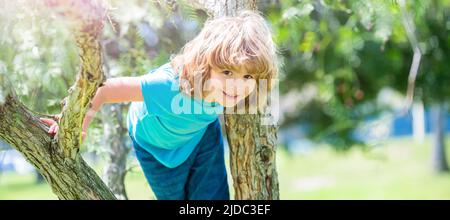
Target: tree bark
[
  {"x": 438, "y": 159},
  {"x": 252, "y": 145},
  {"x": 114, "y": 137},
  {"x": 69, "y": 178},
  {"x": 57, "y": 158}
]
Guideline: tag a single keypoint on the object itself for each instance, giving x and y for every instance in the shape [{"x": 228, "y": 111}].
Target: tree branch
[
  {"x": 408, "y": 24},
  {"x": 20, "y": 128},
  {"x": 87, "y": 18},
  {"x": 57, "y": 159}
]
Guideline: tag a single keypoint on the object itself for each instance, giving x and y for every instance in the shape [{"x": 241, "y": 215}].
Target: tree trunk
[
  {"x": 57, "y": 158},
  {"x": 418, "y": 118},
  {"x": 252, "y": 145},
  {"x": 69, "y": 178},
  {"x": 114, "y": 137},
  {"x": 115, "y": 134},
  {"x": 438, "y": 139}
]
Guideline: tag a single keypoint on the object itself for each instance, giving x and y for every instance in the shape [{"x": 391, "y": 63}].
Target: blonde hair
[{"x": 244, "y": 41}]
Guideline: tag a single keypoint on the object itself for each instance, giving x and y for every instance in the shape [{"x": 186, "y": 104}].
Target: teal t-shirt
[{"x": 169, "y": 123}]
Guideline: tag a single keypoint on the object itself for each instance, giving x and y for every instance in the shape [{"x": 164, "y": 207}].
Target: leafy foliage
[{"x": 349, "y": 51}]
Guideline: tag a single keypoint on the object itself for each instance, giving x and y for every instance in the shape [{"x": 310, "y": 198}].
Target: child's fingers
[
  {"x": 51, "y": 129},
  {"x": 47, "y": 121},
  {"x": 52, "y": 123}
]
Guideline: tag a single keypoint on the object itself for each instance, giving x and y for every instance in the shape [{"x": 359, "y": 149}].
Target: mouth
[{"x": 229, "y": 96}]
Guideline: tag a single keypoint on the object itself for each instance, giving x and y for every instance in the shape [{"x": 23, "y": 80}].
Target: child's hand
[{"x": 53, "y": 130}]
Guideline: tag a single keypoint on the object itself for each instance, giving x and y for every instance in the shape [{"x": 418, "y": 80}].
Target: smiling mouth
[{"x": 229, "y": 96}]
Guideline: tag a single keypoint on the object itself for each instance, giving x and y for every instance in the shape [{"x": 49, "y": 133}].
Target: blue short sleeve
[{"x": 157, "y": 91}]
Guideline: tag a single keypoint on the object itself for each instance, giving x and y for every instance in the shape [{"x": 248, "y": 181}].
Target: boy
[{"x": 173, "y": 122}]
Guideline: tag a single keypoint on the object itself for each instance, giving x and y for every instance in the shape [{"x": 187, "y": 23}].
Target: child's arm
[
  {"x": 120, "y": 89},
  {"x": 114, "y": 90}
]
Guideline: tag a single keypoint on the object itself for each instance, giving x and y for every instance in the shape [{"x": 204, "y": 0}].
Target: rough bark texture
[
  {"x": 88, "y": 17},
  {"x": 438, "y": 159},
  {"x": 69, "y": 178},
  {"x": 252, "y": 145},
  {"x": 57, "y": 159}
]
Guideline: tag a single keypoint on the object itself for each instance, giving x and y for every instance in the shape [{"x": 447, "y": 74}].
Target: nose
[{"x": 236, "y": 87}]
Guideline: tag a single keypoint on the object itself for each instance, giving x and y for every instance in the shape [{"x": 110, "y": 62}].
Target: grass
[{"x": 400, "y": 169}]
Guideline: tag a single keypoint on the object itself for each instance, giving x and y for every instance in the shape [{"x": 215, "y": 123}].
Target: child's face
[{"x": 229, "y": 87}]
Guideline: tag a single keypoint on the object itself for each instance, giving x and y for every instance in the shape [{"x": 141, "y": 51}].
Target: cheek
[{"x": 215, "y": 85}]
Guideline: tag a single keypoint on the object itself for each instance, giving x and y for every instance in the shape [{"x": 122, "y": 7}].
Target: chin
[{"x": 229, "y": 105}]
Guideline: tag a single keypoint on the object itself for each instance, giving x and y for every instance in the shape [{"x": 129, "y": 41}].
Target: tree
[
  {"x": 58, "y": 158},
  {"x": 252, "y": 145}
]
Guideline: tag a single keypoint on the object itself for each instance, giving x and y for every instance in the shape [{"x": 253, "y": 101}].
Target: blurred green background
[{"x": 363, "y": 103}]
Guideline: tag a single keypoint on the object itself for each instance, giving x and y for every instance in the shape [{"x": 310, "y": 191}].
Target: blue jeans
[{"x": 201, "y": 177}]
